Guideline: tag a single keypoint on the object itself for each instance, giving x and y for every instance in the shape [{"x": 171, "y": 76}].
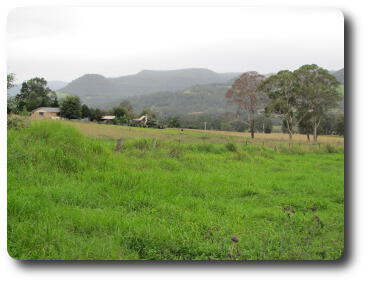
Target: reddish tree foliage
[{"x": 244, "y": 92}]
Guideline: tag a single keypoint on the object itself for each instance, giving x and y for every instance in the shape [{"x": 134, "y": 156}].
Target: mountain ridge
[
  {"x": 95, "y": 89},
  {"x": 339, "y": 75}
]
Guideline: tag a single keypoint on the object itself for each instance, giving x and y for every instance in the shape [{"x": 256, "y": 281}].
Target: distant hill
[
  {"x": 53, "y": 85},
  {"x": 199, "y": 99},
  {"x": 97, "y": 90},
  {"x": 339, "y": 75},
  {"x": 196, "y": 100}
]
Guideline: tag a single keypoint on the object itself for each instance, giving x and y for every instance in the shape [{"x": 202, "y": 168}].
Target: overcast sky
[{"x": 65, "y": 43}]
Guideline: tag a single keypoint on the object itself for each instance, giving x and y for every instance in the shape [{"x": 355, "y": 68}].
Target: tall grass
[{"x": 73, "y": 197}]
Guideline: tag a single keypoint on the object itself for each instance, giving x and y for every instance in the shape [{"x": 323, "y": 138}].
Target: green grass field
[{"x": 166, "y": 197}]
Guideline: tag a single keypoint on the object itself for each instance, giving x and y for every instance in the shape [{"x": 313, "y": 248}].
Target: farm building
[
  {"x": 141, "y": 120},
  {"x": 107, "y": 119},
  {"x": 46, "y": 112}
]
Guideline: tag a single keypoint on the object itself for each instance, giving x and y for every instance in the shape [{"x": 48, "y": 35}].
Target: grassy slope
[{"x": 72, "y": 197}]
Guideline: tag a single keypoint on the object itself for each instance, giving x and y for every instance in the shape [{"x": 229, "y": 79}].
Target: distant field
[
  {"x": 115, "y": 131},
  {"x": 194, "y": 136},
  {"x": 170, "y": 195}
]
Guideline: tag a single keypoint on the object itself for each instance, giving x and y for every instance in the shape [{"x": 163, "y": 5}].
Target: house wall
[{"x": 37, "y": 115}]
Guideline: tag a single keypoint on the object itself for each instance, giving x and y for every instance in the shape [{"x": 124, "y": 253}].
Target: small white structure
[
  {"x": 142, "y": 119},
  {"x": 107, "y": 118}
]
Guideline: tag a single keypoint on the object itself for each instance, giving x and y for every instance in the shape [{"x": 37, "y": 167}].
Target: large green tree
[
  {"x": 304, "y": 124},
  {"x": 339, "y": 127},
  {"x": 71, "y": 107},
  {"x": 124, "y": 112},
  {"x": 54, "y": 102},
  {"x": 150, "y": 112},
  {"x": 128, "y": 109},
  {"x": 317, "y": 93},
  {"x": 86, "y": 112},
  {"x": 247, "y": 96},
  {"x": 282, "y": 94},
  {"x": 35, "y": 93},
  {"x": 95, "y": 114}
]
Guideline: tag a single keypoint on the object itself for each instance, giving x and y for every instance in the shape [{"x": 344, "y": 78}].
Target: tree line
[{"x": 301, "y": 98}]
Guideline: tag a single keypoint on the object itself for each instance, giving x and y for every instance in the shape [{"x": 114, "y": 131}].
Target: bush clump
[
  {"x": 331, "y": 149},
  {"x": 16, "y": 122},
  {"x": 207, "y": 147},
  {"x": 230, "y": 146},
  {"x": 175, "y": 152}
]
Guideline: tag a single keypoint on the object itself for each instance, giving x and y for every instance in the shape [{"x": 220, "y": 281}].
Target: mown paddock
[{"x": 175, "y": 201}]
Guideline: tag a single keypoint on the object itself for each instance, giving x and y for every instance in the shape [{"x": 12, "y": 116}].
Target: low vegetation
[{"x": 170, "y": 195}]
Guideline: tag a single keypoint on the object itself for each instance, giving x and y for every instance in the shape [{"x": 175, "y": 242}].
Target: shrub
[
  {"x": 331, "y": 149},
  {"x": 231, "y": 147},
  {"x": 17, "y": 122},
  {"x": 175, "y": 152}
]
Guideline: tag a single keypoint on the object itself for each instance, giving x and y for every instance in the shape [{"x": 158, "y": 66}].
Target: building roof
[
  {"x": 142, "y": 118},
  {"x": 108, "y": 117},
  {"x": 48, "y": 109}
]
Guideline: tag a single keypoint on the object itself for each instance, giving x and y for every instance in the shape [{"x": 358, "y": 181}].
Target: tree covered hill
[
  {"x": 208, "y": 99},
  {"x": 199, "y": 99},
  {"x": 97, "y": 90},
  {"x": 339, "y": 75}
]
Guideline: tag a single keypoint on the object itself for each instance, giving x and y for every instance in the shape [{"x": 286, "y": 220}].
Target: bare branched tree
[{"x": 246, "y": 95}]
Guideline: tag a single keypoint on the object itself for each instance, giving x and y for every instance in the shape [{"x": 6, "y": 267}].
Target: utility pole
[{"x": 204, "y": 126}]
